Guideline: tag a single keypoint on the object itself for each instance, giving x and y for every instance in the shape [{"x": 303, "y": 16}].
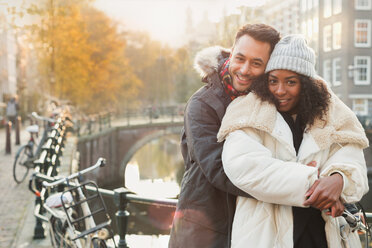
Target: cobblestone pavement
[
  {"x": 16, "y": 201},
  {"x": 14, "y": 198},
  {"x": 17, "y": 221}
]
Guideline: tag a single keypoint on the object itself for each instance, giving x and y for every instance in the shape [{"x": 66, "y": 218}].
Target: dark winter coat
[{"x": 207, "y": 200}]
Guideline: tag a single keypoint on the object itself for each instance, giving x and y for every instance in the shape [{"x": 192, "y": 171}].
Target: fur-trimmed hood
[
  {"x": 209, "y": 60},
  {"x": 342, "y": 126}
]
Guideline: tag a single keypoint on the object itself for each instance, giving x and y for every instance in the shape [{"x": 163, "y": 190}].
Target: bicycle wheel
[
  {"x": 98, "y": 243},
  {"x": 59, "y": 236},
  {"x": 22, "y": 163}
]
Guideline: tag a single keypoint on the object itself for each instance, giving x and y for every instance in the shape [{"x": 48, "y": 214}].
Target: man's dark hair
[
  {"x": 313, "y": 102},
  {"x": 260, "y": 32}
]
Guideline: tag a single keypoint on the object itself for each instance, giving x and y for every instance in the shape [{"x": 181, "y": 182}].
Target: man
[
  {"x": 11, "y": 111},
  {"x": 206, "y": 203}
]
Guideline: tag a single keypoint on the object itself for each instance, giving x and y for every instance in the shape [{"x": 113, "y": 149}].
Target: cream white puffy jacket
[{"x": 259, "y": 158}]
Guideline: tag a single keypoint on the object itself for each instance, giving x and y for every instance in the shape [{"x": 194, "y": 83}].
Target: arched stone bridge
[{"x": 118, "y": 145}]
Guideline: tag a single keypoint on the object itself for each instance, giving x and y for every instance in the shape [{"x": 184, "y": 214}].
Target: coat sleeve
[
  {"x": 201, "y": 127},
  {"x": 252, "y": 168},
  {"x": 348, "y": 160}
]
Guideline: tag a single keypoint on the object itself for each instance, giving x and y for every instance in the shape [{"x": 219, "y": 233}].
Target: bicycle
[
  {"x": 71, "y": 220},
  {"x": 27, "y": 154},
  {"x": 355, "y": 221}
]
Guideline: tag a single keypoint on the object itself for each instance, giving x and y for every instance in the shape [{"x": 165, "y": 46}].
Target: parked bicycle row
[
  {"x": 42, "y": 153},
  {"x": 65, "y": 207}
]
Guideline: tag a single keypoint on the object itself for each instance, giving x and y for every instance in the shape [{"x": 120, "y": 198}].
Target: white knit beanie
[{"x": 292, "y": 53}]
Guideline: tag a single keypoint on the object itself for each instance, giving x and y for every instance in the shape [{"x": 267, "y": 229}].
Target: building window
[
  {"x": 337, "y": 35},
  {"x": 362, "y": 70},
  {"x": 360, "y": 106},
  {"x": 363, "y": 4},
  {"x": 327, "y": 10},
  {"x": 327, "y": 71},
  {"x": 303, "y": 27},
  {"x": 303, "y": 5},
  {"x": 362, "y": 35},
  {"x": 309, "y": 5},
  {"x": 337, "y": 6},
  {"x": 309, "y": 28},
  {"x": 316, "y": 25},
  {"x": 336, "y": 71},
  {"x": 327, "y": 38}
]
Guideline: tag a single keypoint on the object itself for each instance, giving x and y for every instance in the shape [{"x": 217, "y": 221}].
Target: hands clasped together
[{"x": 325, "y": 194}]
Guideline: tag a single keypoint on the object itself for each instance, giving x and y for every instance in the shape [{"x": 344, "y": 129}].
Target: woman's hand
[
  {"x": 336, "y": 210},
  {"x": 325, "y": 193},
  {"x": 313, "y": 164}
]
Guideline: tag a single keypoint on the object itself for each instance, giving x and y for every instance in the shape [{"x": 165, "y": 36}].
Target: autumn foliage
[
  {"x": 85, "y": 57},
  {"x": 81, "y": 56}
]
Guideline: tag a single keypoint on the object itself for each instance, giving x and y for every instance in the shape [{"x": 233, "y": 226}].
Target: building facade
[
  {"x": 283, "y": 15},
  {"x": 8, "y": 63},
  {"x": 345, "y": 51},
  {"x": 340, "y": 32}
]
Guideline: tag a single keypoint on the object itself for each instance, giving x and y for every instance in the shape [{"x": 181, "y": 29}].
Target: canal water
[{"x": 155, "y": 171}]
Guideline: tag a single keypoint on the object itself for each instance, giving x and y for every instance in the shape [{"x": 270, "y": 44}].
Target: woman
[{"x": 272, "y": 135}]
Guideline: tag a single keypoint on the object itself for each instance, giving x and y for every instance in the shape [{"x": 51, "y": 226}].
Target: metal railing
[
  {"x": 90, "y": 124},
  {"x": 48, "y": 163},
  {"x": 93, "y": 123},
  {"x": 122, "y": 197}
]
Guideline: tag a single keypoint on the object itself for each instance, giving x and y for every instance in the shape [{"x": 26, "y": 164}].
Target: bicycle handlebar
[
  {"x": 100, "y": 163},
  {"x": 42, "y": 118},
  {"x": 354, "y": 220}
]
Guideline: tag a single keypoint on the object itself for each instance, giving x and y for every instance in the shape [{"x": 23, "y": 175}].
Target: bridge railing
[
  {"x": 148, "y": 115},
  {"x": 90, "y": 124}
]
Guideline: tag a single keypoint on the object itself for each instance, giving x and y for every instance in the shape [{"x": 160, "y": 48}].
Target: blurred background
[
  {"x": 119, "y": 55},
  {"x": 116, "y": 54}
]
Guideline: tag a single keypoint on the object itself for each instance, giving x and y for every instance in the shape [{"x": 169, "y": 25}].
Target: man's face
[{"x": 248, "y": 61}]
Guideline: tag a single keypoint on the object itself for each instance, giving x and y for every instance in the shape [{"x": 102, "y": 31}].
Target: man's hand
[{"x": 325, "y": 193}]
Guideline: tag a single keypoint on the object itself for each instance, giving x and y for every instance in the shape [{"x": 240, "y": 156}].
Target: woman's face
[{"x": 286, "y": 87}]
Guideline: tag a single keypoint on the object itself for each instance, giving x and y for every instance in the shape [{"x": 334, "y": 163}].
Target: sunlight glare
[
  {"x": 149, "y": 187},
  {"x": 164, "y": 19}
]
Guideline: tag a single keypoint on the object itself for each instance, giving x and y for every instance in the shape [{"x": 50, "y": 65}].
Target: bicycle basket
[{"x": 94, "y": 201}]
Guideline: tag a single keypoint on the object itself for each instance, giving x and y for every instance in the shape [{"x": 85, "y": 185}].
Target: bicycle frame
[{"x": 65, "y": 215}]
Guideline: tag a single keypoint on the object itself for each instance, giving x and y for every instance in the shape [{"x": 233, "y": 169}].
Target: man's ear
[{"x": 231, "y": 52}]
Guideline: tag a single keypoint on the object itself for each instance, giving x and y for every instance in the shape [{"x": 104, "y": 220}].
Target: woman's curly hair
[{"x": 313, "y": 102}]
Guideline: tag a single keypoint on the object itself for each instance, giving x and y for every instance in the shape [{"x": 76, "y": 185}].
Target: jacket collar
[
  {"x": 341, "y": 124},
  {"x": 209, "y": 60},
  {"x": 283, "y": 133}
]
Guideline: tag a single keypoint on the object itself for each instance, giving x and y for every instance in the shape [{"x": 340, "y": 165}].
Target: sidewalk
[
  {"x": 17, "y": 202},
  {"x": 14, "y": 198}
]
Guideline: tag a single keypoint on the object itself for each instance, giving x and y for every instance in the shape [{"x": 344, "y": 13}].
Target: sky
[{"x": 165, "y": 19}]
